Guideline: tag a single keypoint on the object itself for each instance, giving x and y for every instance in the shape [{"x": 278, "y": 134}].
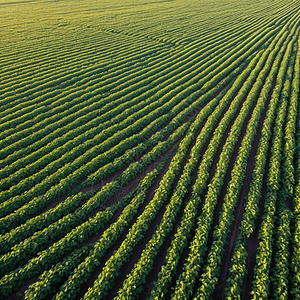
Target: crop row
[
  {"x": 237, "y": 270},
  {"x": 198, "y": 246}
]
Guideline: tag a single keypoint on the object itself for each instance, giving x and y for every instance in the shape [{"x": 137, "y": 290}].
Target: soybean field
[{"x": 149, "y": 149}]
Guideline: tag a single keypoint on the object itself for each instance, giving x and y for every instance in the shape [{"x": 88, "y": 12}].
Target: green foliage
[
  {"x": 102, "y": 101},
  {"x": 234, "y": 282}
]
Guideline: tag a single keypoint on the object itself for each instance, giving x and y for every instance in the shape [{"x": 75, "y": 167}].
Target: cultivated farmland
[{"x": 149, "y": 149}]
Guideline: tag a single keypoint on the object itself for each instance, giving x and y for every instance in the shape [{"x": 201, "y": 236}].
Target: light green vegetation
[{"x": 149, "y": 149}]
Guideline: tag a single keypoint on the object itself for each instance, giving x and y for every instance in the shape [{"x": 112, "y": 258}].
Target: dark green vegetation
[{"x": 149, "y": 150}]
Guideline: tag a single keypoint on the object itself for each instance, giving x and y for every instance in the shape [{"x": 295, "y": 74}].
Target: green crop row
[
  {"x": 41, "y": 188},
  {"x": 143, "y": 222},
  {"x": 237, "y": 271},
  {"x": 263, "y": 257},
  {"x": 111, "y": 107},
  {"x": 211, "y": 274},
  {"x": 98, "y": 249},
  {"x": 131, "y": 286},
  {"x": 184, "y": 230},
  {"x": 186, "y": 281},
  {"x": 61, "y": 226},
  {"x": 145, "y": 75}
]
